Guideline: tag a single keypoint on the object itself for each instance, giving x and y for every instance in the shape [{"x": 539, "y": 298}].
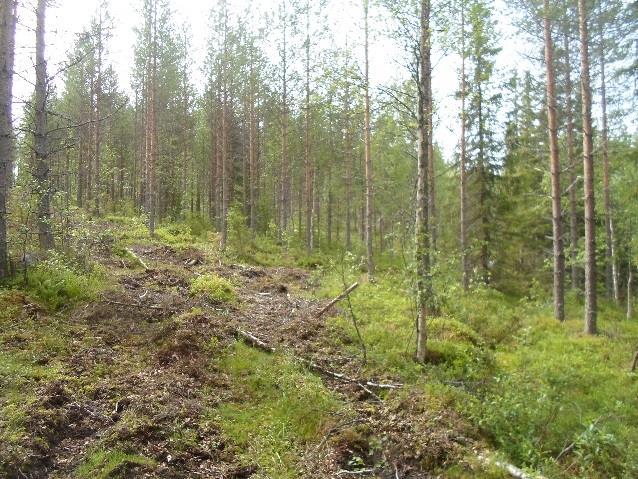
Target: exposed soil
[{"x": 150, "y": 352}]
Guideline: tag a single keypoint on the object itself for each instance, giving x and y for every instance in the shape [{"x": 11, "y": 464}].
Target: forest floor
[{"x": 149, "y": 380}]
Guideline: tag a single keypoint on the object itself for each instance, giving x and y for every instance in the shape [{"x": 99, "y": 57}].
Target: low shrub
[
  {"x": 115, "y": 464},
  {"x": 56, "y": 283},
  {"x": 199, "y": 226},
  {"x": 175, "y": 234},
  {"x": 279, "y": 408},
  {"x": 214, "y": 287}
]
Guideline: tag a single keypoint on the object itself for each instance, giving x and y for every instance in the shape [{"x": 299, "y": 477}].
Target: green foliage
[
  {"x": 453, "y": 330},
  {"x": 385, "y": 314},
  {"x": 57, "y": 283},
  {"x": 531, "y": 384},
  {"x": 557, "y": 387},
  {"x": 28, "y": 351},
  {"x": 279, "y": 408},
  {"x": 199, "y": 226},
  {"x": 113, "y": 464},
  {"x": 177, "y": 234},
  {"x": 240, "y": 240},
  {"x": 214, "y": 287},
  {"x": 492, "y": 314}
]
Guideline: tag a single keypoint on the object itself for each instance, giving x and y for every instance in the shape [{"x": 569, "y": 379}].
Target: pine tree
[
  {"x": 588, "y": 167},
  {"x": 367, "y": 146},
  {"x": 422, "y": 235},
  {"x": 8, "y": 19},
  {"x": 557, "y": 227},
  {"x": 42, "y": 169}
]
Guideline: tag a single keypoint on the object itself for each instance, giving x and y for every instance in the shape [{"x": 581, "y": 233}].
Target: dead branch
[
  {"x": 143, "y": 306},
  {"x": 366, "y": 386},
  {"x": 566, "y": 451},
  {"x": 138, "y": 259},
  {"x": 512, "y": 470},
  {"x": 254, "y": 341},
  {"x": 337, "y": 299},
  {"x": 361, "y": 472},
  {"x": 341, "y": 377}
]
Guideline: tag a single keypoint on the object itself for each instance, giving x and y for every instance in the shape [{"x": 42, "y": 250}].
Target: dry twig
[{"x": 337, "y": 299}]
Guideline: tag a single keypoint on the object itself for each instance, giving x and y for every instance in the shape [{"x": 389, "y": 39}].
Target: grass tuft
[
  {"x": 56, "y": 283},
  {"x": 214, "y": 287},
  {"x": 114, "y": 464},
  {"x": 279, "y": 408}
]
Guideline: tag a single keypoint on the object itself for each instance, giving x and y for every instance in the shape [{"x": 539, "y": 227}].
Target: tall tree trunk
[
  {"x": 349, "y": 160},
  {"x": 465, "y": 264},
  {"x": 329, "y": 215},
  {"x": 226, "y": 184},
  {"x": 317, "y": 211},
  {"x": 151, "y": 118},
  {"x": 90, "y": 144},
  {"x": 557, "y": 227},
  {"x": 367, "y": 152},
  {"x": 630, "y": 290},
  {"x": 42, "y": 153},
  {"x": 219, "y": 159},
  {"x": 226, "y": 170},
  {"x": 431, "y": 176},
  {"x": 98, "y": 103},
  {"x": 80, "y": 171},
  {"x": 611, "y": 276},
  {"x": 483, "y": 194},
  {"x": 285, "y": 200},
  {"x": 424, "y": 286},
  {"x": 8, "y": 17},
  {"x": 252, "y": 153},
  {"x": 307, "y": 159},
  {"x": 137, "y": 155},
  {"x": 588, "y": 167},
  {"x": 572, "y": 164}
]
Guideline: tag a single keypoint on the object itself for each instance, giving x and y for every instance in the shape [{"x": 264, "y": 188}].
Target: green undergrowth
[
  {"x": 557, "y": 387},
  {"x": 385, "y": 313},
  {"x": 58, "y": 282},
  {"x": 531, "y": 385},
  {"x": 114, "y": 464},
  {"x": 278, "y": 409},
  {"x": 214, "y": 287},
  {"x": 192, "y": 231},
  {"x": 31, "y": 351}
]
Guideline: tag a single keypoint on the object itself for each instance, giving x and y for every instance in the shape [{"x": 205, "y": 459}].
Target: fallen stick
[
  {"x": 337, "y": 299},
  {"x": 343, "y": 377},
  {"x": 571, "y": 446},
  {"x": 138, "y": 259},
  {"x": 254, "y": 341},
  {"x": 565, "y": 451},
  {"x": 511, "y": 469},
  {"x": 634, "y": 364},
  {"x": 360, "y": 472},
  {"x": 144, "y": 306}
]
